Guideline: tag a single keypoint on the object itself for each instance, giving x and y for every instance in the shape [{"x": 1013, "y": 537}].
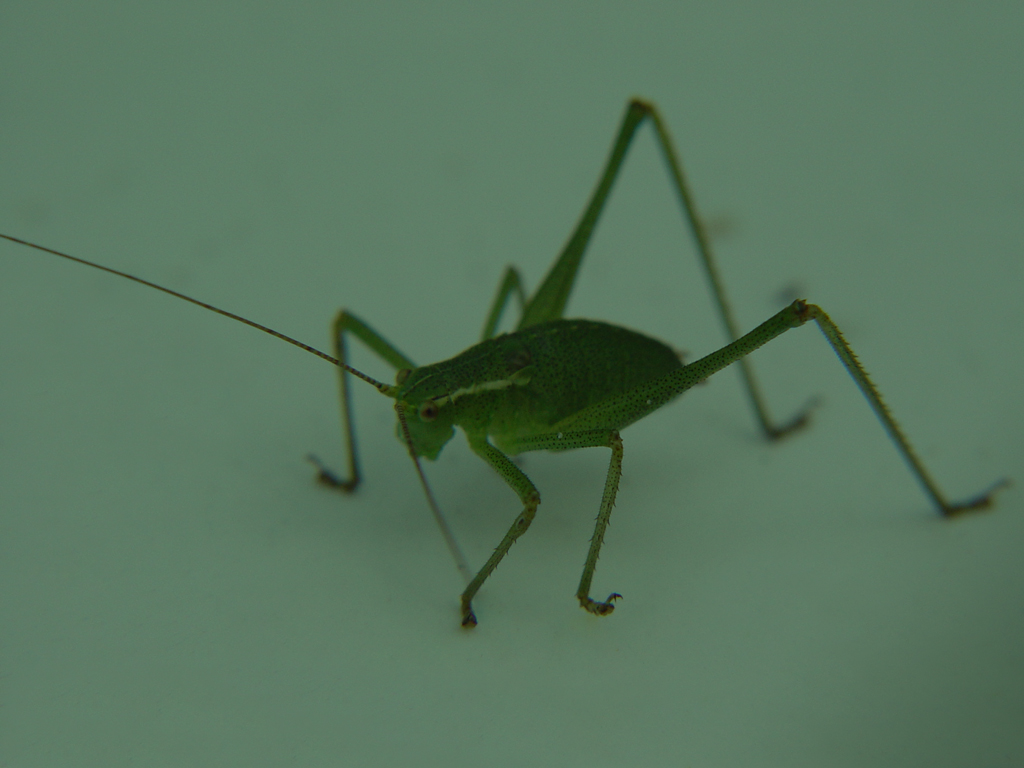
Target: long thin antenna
[
  {"x": 382, "y": 387},
  {"x": 449, "y": 538},
  {"x": 203, "y": 304}
]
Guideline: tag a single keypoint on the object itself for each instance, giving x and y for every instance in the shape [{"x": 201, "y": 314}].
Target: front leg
[
  {"x": 345, "y": 322},
  {"x": 527, "y": 493}
]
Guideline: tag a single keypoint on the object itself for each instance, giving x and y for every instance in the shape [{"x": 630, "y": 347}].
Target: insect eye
[
  {"x": 428, "y": 411},
  {"x": 402, "y": 375}
]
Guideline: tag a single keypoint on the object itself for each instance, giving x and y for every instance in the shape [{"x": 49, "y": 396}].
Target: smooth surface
[{"x": 175, "y": 590}]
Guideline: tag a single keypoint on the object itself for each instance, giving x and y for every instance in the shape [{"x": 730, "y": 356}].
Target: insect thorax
[{"x": 525, "y": 382}]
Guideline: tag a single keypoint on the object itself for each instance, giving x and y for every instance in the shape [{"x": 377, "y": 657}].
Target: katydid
[{"x": 557, "y": 384}]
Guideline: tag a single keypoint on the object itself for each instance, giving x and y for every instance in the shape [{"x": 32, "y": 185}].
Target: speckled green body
[{"x": 530, "y": 382}]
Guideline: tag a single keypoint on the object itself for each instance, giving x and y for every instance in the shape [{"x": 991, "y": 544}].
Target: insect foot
[
  {"x": 468, "y": 617},
  {"x": 978, "y": 503},
  {"x": 326, "y": 477},
  {"x": 600, "y": 609}
]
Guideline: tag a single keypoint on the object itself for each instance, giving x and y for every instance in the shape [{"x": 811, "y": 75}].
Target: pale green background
[{"x": 175, "y": 589}]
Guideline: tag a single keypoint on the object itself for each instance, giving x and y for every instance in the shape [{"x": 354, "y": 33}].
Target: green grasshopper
[{"x": 557, "y": 384}]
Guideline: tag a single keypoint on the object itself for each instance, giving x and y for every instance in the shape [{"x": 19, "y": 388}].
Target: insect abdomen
[{"x": 574, "y": 364}]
